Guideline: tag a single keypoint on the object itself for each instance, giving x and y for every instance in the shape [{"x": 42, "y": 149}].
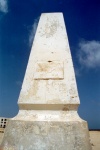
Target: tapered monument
[{"x": 48, "y": 101}]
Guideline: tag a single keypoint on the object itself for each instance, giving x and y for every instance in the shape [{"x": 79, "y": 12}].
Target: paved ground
[{"x": 94, "y": 137}]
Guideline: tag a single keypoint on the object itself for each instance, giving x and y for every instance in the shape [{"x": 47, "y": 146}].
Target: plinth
[{"x": 48, "y": 101}]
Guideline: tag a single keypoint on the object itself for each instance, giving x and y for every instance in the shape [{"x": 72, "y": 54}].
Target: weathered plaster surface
[
  {"x": 46, "y": 135},
  {"x": 48, "y": 101}
]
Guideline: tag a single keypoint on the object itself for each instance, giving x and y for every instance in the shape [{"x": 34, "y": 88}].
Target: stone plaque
[{"x": 49, "y": 70}]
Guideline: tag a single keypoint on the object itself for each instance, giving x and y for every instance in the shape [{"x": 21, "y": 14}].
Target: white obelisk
[{"x": 48, "y": 101}]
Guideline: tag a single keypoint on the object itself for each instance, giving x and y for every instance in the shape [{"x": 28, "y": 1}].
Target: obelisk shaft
[{"x": 49, "y": 80}]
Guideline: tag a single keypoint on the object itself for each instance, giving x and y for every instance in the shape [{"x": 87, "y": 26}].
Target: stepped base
[{"x": 47, "y": 134}]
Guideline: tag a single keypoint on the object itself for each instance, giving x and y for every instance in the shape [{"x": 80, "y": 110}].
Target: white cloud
[
  {"x": 3, "y": 6},
  {"x": 32, "y": 33},
  {"x": 89, "y": 54}
]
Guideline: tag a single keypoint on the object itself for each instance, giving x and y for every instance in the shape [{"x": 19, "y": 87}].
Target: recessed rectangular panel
[{"x": 49, "y": 70}]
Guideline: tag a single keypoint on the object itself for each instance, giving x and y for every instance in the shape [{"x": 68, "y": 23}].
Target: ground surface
[
  {"x": 94, "y": 137},
  {"x": 1, "y": 136}
]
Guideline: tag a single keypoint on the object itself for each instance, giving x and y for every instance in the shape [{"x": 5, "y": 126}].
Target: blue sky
[{"x": 18, "y": 23}]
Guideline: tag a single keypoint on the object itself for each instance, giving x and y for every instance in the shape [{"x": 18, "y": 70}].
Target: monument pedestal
[
  {"x": 46, "y": 130},
  {"x": 48, "y": 101}
]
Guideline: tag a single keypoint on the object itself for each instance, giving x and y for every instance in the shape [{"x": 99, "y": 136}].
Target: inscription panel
[{"x": 49, "y": 70}]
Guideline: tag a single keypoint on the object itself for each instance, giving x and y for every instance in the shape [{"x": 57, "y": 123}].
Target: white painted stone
[
  {"x": 50, "y": 60},
  {"x": 48, "y": 101}
]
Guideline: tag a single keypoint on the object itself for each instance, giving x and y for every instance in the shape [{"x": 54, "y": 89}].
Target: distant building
[{"x": 3, "y": 123}]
